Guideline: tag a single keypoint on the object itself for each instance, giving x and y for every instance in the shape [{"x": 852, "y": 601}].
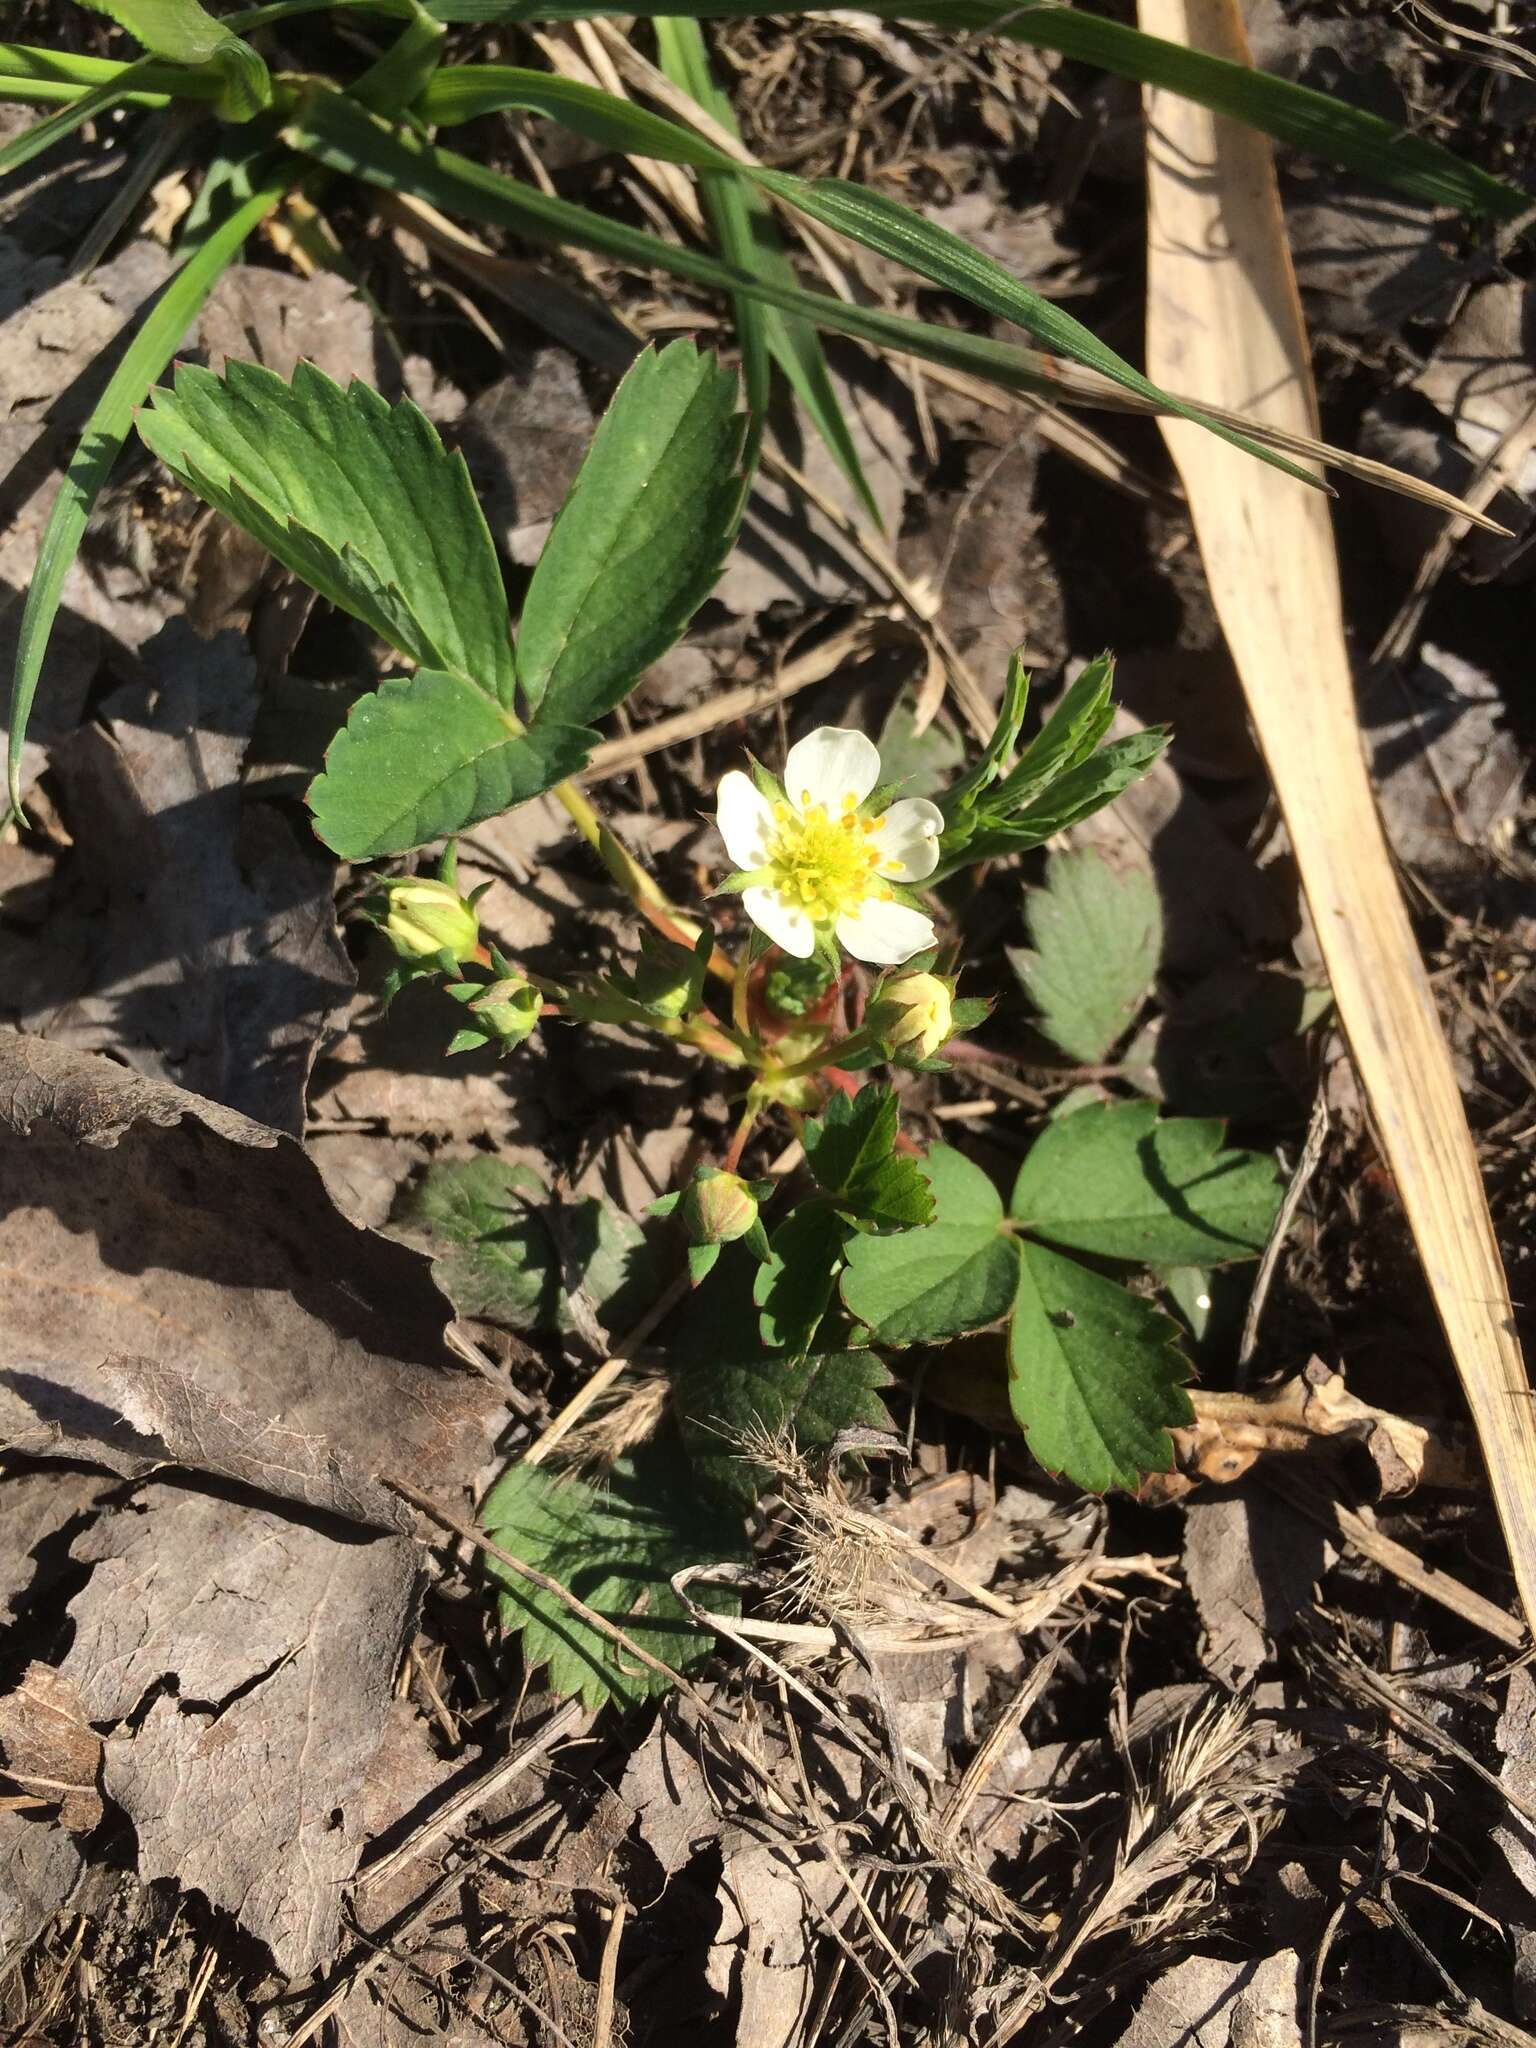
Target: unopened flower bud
[
  {"x": 915, "y": 1012},
  {"x": 717, "y": 1207},
  {"x": 423, "y": 917},
  {"x": 508, "y": 1009}
]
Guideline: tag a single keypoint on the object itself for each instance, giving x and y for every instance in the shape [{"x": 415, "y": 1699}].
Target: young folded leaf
[
  {"x": 185, "y": 33},
  {"x": 851, "y": 1151}
]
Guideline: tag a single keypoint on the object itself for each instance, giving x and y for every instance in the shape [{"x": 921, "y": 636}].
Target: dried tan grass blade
[{"x": 1223, "y": 319}]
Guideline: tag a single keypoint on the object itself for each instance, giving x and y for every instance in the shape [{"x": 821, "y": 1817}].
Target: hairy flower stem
[
  {"x": 637, "y": 882},
  {"x": 743, "y": 1131}
]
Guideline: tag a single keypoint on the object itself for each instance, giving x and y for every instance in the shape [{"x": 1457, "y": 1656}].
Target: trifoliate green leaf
[
  {"x": 1093, "y": 1373},
  {"x": 617, "y": 1547},
  {"x": 955, "y": 1273},
  {"x": 1098, "y": 936},
  {"x": 1111, "y": 1179}
]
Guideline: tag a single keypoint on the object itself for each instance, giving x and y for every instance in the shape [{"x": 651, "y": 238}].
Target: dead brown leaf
[
  {"x": 139, "y": 1221},
  {"x": 1212, "y": 2002},
  {"x": 196, "y": 936},
  {"x": 280, "y": 320},
  {"x": 39, "y": 1870},
  {"x": 265, "y": 1652},
  {"x": 1252, "y": 1563}
]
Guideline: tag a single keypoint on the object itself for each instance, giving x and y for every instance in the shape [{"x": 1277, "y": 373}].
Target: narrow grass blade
[
  {"x": 744, "y": 227},
  {"x": 1311, "y": 121},
  {"x": 1222, "y": 308},
  {"x": 63, "y": 68},
  {"x": 186, "y": 33},
  {"x": 325, "y": 126},
  {"x": 86, "y": 106},
  {"x": 878, "y": 223},
  {"x": 893, "y": 230},
  {"x": 106, "y": 430}
]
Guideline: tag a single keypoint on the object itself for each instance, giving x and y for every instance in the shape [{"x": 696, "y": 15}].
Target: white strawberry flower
[{"x": 819, "y": 864}]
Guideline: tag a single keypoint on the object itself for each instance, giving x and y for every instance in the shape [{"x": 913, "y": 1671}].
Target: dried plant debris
[
  {"x": 238, "y": 1658},
  {"x": 1209, "y": 2002},
  {"x": 48, "y": 1747},
  {"x": 1252, "y": 1562}
]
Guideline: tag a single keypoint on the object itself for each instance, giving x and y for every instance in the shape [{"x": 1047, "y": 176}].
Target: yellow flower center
[{"x": 823, "y": 865}]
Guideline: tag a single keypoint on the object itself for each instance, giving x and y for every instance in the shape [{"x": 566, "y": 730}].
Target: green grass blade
[
  {"x": 1297, "y": 115},
  {"x": 744, "y": 227},
  {"x": 145, "y": 357},
  {"x": 326, "y": 125},
  {"x": 186, "y": 33},
  {"x": 895, "y": 231},
  {"x": 86, "y": 106}
]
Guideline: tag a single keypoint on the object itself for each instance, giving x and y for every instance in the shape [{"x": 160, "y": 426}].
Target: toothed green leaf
[
  {"x": 355, "y": 495},
  {"x": 616, "y": 1547},
  {"x": 1094, "y": 1375}
]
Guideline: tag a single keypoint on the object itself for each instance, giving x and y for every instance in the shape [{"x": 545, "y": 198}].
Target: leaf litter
[{"x": 884, "y": 1810}]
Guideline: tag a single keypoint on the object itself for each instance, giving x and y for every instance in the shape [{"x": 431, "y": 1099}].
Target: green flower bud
[
  {"x": 717, "y": 1207},
  {"x": 423, "y": 918},
  {"x": 508, "y": 1009}
]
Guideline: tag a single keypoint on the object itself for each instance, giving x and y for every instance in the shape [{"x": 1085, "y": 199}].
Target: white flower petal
[
  {"x": 884, "y": 934},
  {"x": 831, "y": 766},
  {"x": 784, "y": 922},
  {"x": 745, "y": 820},
  {"x": 906, "y": 838}
]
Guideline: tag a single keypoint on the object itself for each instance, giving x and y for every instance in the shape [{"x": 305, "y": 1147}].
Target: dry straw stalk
[{"x": 1224, "y": 319}]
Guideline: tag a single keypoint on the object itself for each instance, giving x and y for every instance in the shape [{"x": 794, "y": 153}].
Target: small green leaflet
[
  {"x": 851, "y": 1151},
  {"x": 356, "y": 496},
  {"x": 1098, "y": 937},
  {"x": 426, "y": 755},
  {"x": 729, "y": 1386},
  {"x": 494, "y": 1256},
  {"x": 957, "y": 1274},
  {"x": 1112, "y": 1180},
  {"x": 616, "y": 1547},
  {"x": 642, "y": 536},
  {"x": 867, "y": 1187},
  {"x": 1094, "y": 1375}
]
